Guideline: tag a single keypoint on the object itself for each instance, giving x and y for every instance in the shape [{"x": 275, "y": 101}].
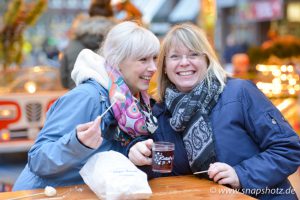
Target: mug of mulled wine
[{"x": 162, "y": 157}]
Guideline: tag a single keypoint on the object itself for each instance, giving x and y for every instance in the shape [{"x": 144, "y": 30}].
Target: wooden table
[{"x": 168, "y": 188}]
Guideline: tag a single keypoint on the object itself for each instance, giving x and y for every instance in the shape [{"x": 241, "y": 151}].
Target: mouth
[
  {"x": 185, "y": 73},
  {"x": 147, "y": 78}
]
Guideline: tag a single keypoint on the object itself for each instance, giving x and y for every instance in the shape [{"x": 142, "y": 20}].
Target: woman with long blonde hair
[{"x": 221, "y": 125}]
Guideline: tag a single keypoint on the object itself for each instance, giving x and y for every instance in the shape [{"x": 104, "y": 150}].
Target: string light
[{"x": 278, "y": 80}]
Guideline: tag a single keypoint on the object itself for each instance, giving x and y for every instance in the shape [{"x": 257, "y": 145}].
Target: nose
[
  {"x": 184, "y": 60},
  {"x": 152, "y": 66}
]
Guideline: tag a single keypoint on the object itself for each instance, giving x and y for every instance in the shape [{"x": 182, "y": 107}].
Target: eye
[
  {"x": 194, "y": 54},
  {"x": 174, "y": 56},
  {"x": 143, "y": 59},
  {"x": 154, "y": 57}
]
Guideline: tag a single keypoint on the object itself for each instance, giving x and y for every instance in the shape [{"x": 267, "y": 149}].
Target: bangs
[
  {"x": 185, "y": 38},
  {"x": 127, "y": 40},
  {"x": 142, "y": 45}
]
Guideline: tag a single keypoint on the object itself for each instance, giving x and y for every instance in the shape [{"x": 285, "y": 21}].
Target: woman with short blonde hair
[
  {"x": 78, "y": 124},
  {"x": 128, "y": 40}
]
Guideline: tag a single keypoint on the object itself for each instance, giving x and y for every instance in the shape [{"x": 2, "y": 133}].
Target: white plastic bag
[{"x": 113, "y": 176}]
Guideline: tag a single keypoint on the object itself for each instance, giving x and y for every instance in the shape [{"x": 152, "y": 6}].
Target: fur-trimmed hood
[
  {"x": 90, "y": 65},
  {"x": 94, "y": 26},
  {"x": 91, "y": 31}
]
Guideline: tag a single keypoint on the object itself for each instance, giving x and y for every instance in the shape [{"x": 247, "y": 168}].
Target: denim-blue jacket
[
  {"x": 57, "y": 155},
  {"x": 250, "y": 134}
]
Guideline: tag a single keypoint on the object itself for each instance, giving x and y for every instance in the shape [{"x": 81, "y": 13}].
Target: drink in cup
[{"x": 162, "y": 157}]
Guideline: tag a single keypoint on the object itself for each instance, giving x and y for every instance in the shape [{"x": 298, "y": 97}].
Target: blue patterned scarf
[{"x": 190, "y": 117}]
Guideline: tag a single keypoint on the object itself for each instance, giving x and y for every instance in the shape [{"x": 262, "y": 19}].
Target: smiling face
[
  {"x": 138, "y": 72},
  {"x": 132, "y": 49},
  {"x": 185, "y": 68},
  {"x": 185, "y": 59}
]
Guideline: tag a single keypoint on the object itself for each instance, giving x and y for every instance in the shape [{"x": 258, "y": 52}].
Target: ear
[{"x": 207, "y": 59}]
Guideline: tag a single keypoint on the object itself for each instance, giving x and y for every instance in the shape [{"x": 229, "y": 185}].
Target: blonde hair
[
  {"x": 128, "y": 40},
  {"x": 194, "y": 39}
]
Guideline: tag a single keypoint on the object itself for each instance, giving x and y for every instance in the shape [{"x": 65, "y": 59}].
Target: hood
[
  {"x": 90, "y": 65},
  {"x": 91, "y": 41}
]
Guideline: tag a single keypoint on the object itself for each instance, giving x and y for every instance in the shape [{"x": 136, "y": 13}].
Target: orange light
[{"x": 5, "y": 136}]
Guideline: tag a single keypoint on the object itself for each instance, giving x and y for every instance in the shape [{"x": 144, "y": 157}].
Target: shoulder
[
  {"x": 87, "y": 99},
  {"x": 88, "y": 90},
  {"x": 95, "y": 26},
  {"x": 159, "y": 108},
  {"x": 243, "y": 92},
  {"x": 73, "y": 48},
  {"x": 238, "y": 89},
  {"x": 235, "y": 85}
]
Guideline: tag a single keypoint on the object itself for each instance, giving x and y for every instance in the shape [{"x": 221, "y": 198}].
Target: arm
[
  {"x": 279, "y": 144},
  {"x": 57, "y": 147}
]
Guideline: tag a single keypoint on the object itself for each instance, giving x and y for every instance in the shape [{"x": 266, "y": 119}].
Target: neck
[{"x": 137, "y": 96}]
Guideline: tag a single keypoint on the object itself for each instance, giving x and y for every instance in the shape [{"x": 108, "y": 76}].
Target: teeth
[
  {"x": 185, "y": 73},
  {"x": 146, "y": 77}
]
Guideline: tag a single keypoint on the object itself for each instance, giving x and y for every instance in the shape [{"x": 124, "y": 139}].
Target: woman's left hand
[
  {"x": 223, "y": 173},
  {"x": 140, "y": 152}
]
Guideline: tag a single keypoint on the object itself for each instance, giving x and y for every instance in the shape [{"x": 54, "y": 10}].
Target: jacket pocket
[{"x": 278, "y": 123}]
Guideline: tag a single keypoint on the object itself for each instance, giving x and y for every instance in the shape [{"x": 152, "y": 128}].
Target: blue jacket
[
  {"x": 250, "y": 134},
  {"x": 57, "y": 155}
]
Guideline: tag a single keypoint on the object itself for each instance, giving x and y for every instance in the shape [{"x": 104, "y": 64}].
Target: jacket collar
[{"x": 159, "y": 108}]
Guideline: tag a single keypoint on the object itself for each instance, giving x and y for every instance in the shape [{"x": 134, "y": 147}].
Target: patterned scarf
[
  {"x": 134, "y": 117},
  {"x": 190, "y": 117}
]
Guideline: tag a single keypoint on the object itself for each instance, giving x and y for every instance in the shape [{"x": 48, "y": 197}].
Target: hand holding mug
[{"x": 139, "y": 154}]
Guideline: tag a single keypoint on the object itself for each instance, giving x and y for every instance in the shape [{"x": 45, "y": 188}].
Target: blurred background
[{"x": 255, "y": 39}]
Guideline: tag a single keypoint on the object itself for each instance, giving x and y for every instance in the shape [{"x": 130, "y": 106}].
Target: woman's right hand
[
  {"x": 140, "y": 152},
  {"x": 223, "y": 173},
  {"x": 89, "y": 133}
]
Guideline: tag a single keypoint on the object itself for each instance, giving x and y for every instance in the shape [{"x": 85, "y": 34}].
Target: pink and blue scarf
[{"x": 134, "y": 117}]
